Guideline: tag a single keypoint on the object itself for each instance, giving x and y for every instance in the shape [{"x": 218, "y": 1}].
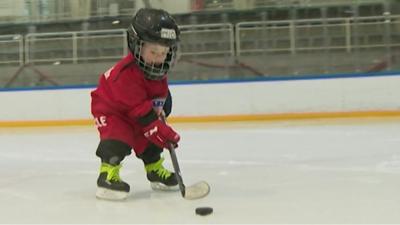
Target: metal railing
[
  {"x": 11, "y": 50},
  {"x": 292, "y": 36},
  {"x": 210, "y": 39},
  {"x": 317, "y": 34},
  {"x": 207, "y": 39},
  {"x": 75, "y": 46}
]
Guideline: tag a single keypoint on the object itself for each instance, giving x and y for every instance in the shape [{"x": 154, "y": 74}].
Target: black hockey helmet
[{"x": 155, "y": 26}]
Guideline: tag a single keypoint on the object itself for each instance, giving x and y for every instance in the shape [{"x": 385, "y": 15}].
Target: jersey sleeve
[{"x": 168, "y": 104}]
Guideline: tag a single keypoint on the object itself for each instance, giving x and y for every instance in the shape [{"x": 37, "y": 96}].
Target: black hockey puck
[{"x": 204, "y": 211}]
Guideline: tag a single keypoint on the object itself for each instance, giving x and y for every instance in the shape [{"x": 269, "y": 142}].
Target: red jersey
[{"x": 124, "y": 91}]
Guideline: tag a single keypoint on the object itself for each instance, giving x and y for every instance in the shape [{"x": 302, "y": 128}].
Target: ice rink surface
[{"x": 321, "y": 171}]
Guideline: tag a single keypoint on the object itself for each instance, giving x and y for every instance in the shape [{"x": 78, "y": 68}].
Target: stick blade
[{"x": 197, "y": 190}]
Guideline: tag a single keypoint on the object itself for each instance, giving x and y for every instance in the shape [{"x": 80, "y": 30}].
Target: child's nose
[{"x": 159, "y": 59}]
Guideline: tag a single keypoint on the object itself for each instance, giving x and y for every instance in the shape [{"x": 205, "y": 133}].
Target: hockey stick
[{"x": 195, "y": 191}]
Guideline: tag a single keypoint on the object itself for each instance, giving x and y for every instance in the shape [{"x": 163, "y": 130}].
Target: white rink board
[{"x": 262, "y": 97}]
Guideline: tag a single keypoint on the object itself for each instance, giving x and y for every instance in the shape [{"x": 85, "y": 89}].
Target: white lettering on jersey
[
  {"x": 108, "y": 73},
  {"x": 100, "y": 121}
]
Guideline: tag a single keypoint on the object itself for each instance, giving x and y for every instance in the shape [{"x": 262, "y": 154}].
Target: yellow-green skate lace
[
  {"x": 158, "y": 168},
  {"x": 112, "y": 171}
]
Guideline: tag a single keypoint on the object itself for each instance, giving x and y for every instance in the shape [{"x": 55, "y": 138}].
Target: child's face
[{"x": 153, "y": 53}]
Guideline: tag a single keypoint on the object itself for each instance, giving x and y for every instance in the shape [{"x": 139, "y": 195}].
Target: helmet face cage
[
  {"x": 151, "y": 70},
  {"x": 153, "y": 26}
]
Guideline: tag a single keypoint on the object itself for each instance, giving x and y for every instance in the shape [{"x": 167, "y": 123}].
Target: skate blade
[
  {"x": 197, "y": 190},
  {"x": 162, "y": 187},
  {"x": 107, "y": 194}
]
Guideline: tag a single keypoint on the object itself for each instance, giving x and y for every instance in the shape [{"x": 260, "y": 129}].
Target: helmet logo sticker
[{"x": 168, "y": 33}]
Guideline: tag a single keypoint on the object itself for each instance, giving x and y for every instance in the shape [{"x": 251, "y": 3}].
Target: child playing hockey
[{"x": 129, "y": 101}]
